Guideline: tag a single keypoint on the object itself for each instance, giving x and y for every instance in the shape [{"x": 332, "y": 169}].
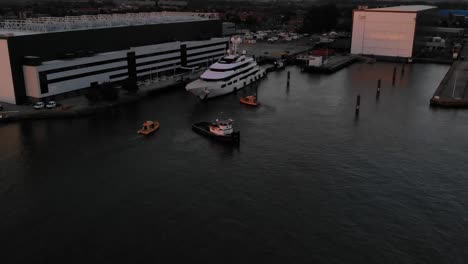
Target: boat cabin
[
  {"x": 149, "y": 125},
  {"x": 222, "y": 127}
]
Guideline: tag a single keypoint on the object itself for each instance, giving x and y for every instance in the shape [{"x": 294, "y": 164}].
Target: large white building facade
[
  {"x": 49, "y": 60},
  {"x": 388, "y": 32},
  {"x": 51, "y": 78}
]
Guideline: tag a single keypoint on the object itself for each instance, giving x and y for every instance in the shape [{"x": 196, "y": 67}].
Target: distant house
[
  {"x": 25, "y": 14},
  {"x": 172, "y": 4},
  {"x": 136, "y": 3},
  {"x": 88, "y": 10},
  {"x": 295, "y": 23},
  {"x": 141, "y": 3}
]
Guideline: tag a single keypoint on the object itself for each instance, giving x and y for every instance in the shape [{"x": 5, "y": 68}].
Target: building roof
[
  {"x": 405, "y": 8},
  {"x": 10, "y": 28}
]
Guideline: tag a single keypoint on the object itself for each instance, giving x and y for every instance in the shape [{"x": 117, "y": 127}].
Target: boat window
[
  {"x": 219, "y": 70},
  {"x": 224, "y": 85},
  {"x": 243, "y": 65},
  {"x": 210, "y": 80},
  {"x": 235, "y": 81},
  {"x": 229, "y": 59},
  {"x": 232, "y": 76},
  {"x": 229, "y": 83}
]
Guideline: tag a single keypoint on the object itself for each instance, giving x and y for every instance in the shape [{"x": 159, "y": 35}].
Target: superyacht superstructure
[{"x": 231, "y": 73}]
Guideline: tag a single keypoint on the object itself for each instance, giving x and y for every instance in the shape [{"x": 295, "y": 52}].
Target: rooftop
[
  {"x": 405, "y": 8},
  {"x": 39, "y": 25}
]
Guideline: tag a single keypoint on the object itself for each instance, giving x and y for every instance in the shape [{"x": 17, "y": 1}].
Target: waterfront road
[{"x": 453, "y": 90}]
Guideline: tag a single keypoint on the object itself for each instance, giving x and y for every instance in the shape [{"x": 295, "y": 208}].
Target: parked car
[
  {"x": 51, "y": 104},
  {"x": 39, "y": 105}
]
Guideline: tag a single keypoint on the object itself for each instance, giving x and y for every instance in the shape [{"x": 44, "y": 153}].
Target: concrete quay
[
  {"x": 79, "y": 106},
  {"x": 453, "y": 90},
  {"x": 334, "y": 64}
]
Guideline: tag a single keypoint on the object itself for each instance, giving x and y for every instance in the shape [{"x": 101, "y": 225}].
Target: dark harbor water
[{"x": 308, "y": 184}]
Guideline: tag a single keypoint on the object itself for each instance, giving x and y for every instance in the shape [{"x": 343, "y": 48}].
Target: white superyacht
[{"x": 231, "y": 73}]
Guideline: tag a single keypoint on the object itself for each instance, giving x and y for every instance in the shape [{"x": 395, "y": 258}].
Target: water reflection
[{"x": 304, "y": 158}]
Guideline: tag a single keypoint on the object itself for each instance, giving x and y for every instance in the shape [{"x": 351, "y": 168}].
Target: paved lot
[{"x": 278, "y": 48}]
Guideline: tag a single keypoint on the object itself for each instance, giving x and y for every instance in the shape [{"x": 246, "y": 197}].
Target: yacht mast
[{"x": 235, "y": 42}]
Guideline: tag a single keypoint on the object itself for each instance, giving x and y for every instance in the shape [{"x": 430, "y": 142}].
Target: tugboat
[
  {"x": 251, "y": 99},
  {"x": 221, "y": 130},
  {"x": 149, "y": 127}
]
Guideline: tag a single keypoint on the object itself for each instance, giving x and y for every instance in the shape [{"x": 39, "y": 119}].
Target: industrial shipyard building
[
  {"x": 390, "y": 31},
  {"x": 57, "y": 57}
]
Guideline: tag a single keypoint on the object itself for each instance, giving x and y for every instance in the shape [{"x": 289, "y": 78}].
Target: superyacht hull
[{"x": 206, "y": 90}]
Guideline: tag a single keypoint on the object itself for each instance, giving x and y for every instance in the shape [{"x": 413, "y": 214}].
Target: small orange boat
[
  {"x": 149, "y": 127},
  {"x": 250, "y": 100}
]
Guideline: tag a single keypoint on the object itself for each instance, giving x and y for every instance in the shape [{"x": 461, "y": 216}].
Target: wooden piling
[
  {"x": 358, "y": 104},
  {"x": 394, "y": 75},
  {"x": 378, "y": 89}
]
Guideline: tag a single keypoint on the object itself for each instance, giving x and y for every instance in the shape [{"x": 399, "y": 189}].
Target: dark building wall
[
  {"x": 50, "y": 46},
  {"x": 424, "y": 19}
]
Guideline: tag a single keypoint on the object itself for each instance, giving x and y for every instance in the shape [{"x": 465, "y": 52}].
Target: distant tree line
[{"x": 320, "y": 19}]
